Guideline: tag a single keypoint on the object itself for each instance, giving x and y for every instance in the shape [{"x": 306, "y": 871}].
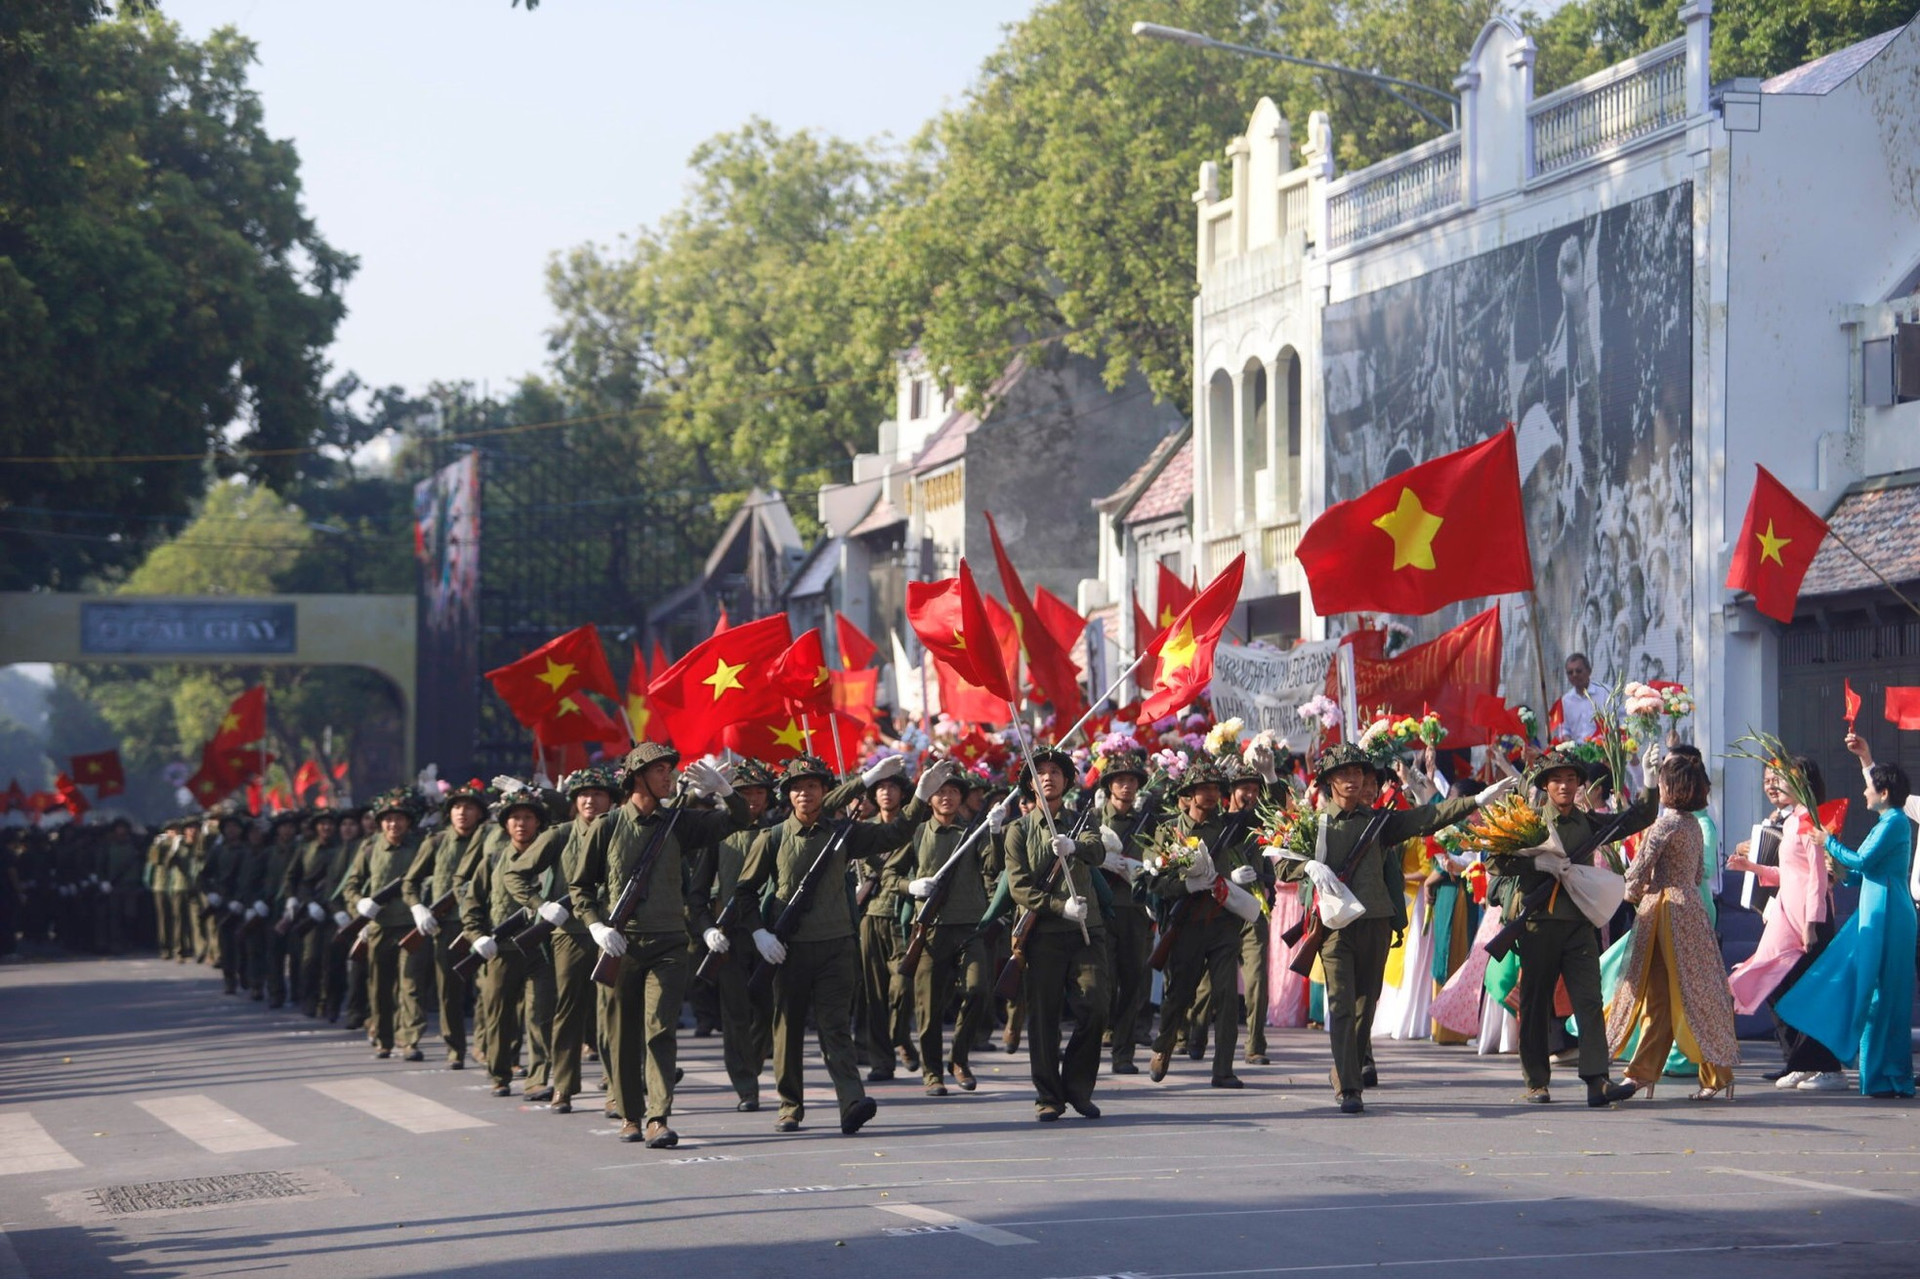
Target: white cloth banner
[
  {"x": 907, "y": 685},
  {"x": 1265, "y": 687}
]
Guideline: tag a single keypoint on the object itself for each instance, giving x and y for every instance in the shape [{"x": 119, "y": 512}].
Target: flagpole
[
  {"x": 806, "y": 730},
  {"x": 833, "y": 731},
  {"x": 1039, "y": 800},
  {"x": 1113, "y": 688},
  {"x": 1539, "y": 652},
  {"x": 1848, "y": 547}
]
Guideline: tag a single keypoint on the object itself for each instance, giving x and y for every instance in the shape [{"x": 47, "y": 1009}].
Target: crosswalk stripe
[
  {"x": 209, "y": 1124},
  {"x": 28, "y": 1147},
  {"x": 397, "y": 1106}
]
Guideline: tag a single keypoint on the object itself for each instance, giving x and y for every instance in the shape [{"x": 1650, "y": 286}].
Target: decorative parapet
[
  {"x": 1395, "y": 193},
  {"x": 1610, "y": 111}
]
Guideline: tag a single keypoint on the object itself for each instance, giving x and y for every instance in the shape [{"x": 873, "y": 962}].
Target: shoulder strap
[{"x": 1368, "y": 837}]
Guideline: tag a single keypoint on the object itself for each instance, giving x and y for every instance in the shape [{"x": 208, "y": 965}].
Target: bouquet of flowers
[
  {"x": 1322, "y": 710},
  {"x": 1292, "y": 828},
  {"x": 1224, "y": 735},
  {"x": 1172, "y": 851},
  {"x": 1676, "y": 703},
  {"x": 1770, "y": 752},
  {"x": 1643, "y": 705},
  {"x": 1508, "y": 825}
]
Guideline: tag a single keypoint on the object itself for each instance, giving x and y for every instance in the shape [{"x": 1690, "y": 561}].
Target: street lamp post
[{"x": 1391, "y": 85}]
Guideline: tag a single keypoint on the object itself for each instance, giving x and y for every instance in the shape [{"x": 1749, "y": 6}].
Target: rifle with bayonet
[
  {"x": 1232, "y": 826},
  {"x": 936, "y": 901},
  {"x": 1501, "y": 944},
  {"x": 1013, "y": 972},
  {"x": 788, "y": 922},
  {"x": 502, "y": 933},
  {"x": 633, "y": 895}
]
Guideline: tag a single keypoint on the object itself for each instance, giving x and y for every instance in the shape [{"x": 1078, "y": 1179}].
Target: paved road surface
[{"x": 118, "y": 1074}]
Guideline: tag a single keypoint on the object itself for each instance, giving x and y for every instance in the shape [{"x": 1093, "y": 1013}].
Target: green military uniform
[
  {"x": 486, "y": 901},
  {"x": 309, "y": 885},
  {"x": 821, "y": 967},
  {"x": 884, "y": 993},
  {"x": 1060, "y": 964},
  {"x": 1559, "y": 943},
  {"x": 1354, "y": 958},
  {"x": 394, "y": 978},
  {"x": 953, "y": 948},
  {"x": 1255, "y": 939},
  {"x": 216, "y": 889},
  {"x": 642, "y": 1021},
  {"x": 347, "y": 974},
  {"x": 1130, "y": 926},
  {"x": 251, "y": 887},
  {"x": 444, "y": 858},
  {"x": 270, "y": 942}
]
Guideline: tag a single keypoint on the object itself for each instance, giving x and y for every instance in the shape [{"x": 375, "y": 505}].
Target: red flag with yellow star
[
  {"x": 647, "y": 723},
  {"x": 1445, "y": 530},
  {"x": 578, "y": 718},
  {"x": 952, "y": 620},
  {"x": 803, "y": 676},
  {"x": 101, "y": 770},
  {"x": 245, "y": 720},
  {"x": 1776, "y": 547},
  {"x": 1049, "y": 666},
  {"x": 723, "y": 680},
  {"x": 1172, "y": 596},
  {"x": 1182, "y": 654},
  {"x": 569, "y": 663},
  {"x": 856, "y": 650}
]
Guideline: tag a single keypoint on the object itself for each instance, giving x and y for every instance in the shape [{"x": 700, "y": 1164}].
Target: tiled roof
[
  {"x": 1880, "y": 520},
  {"x": 1170, "y": 491},
  {"x": 949, "y": 439},
  {"x": 1142, "y": 476},
  {"x": 882, "y": 516},
  {"x": 1824, "y": 75}
]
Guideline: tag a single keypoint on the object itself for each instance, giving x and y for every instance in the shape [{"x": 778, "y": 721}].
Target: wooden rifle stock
[
  {"x": 936, "y": 901},
  {"x": 606, "y": 970},
  {"x": 1013, "y": 973},
  {"x": 713, "y": 959},
  {"x": 796, "y": 910},
  {"x": 350, "y": 938},
  {"x": 1311, "y": 932},
  {"x": 441, "y": 908},
  {"x": 1231, "y": 827},
  {"x": 470, "y": 962}
]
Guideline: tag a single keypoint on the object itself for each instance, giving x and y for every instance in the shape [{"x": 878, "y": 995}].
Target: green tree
[
  {"x": 163, "y": 293},
  {"x": 1750, "y": 37}
]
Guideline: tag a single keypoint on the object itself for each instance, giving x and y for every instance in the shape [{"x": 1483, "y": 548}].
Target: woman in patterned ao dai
[{"x": 1675, "y": 985}]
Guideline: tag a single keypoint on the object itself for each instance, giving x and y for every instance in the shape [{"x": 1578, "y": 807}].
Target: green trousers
[
  {"x": 452, "y": 991},
  {"x": 949, "y": 957},
  {"x": 1207, "y": 949},
  {"x": 643, "y": 1021},
  {"x": 1254, "y": 940},
  {"x": 574, "y": 1008},
  {"x": 746, "y": 1019},
  {"x": 395, "y": 982},
  {"x": 1552, "y": 951},
  {"x": 889, "y": 1021},
  {"x": 819, "y": 976},
  {"x": 516, "y": 1000},
  {"x": 1129, "y": 948},
  {"x": 1355, "y": 962},
  {"x": 1062, "y": 972}
]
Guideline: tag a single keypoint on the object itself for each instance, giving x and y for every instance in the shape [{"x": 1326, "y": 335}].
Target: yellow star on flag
[
  {"x": 1770, "y": 545},
  {"x": 229, "y": 724},
  {"x": 791, "y": 737},
  {"x": 1166, "y": 616},
  {"x": 556, "y": 674},
  {"x": 93, "y": 768},
  {"x": 1179, "y": 651},
  {"x": 822, "y": 677},
  {"x": 1412, "y": 528},
  {"x": 724, "y": 677},
  {"x": 566, "y": 706},
  {"x": 639, "y": 715},
  {"x": 959, "y": 640}
]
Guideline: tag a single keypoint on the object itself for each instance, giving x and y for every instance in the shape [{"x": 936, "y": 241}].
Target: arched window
[
  {"x": 1254, "y": 476},
  {"x": 1220, "y": 450}
]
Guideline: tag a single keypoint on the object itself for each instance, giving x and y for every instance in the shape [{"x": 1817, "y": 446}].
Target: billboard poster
[{"x": 446, "y": 543}]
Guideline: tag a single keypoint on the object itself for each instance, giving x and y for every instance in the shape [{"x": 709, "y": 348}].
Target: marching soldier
[
  {"x": 394, "y": 978},
  {"x": 889, "y": 1024},
  {"x": 1354, "y": 840},
  {"x": 746, "y": 1016},
  {"x": 431, "y": 880},
  {"x": 216, "y": 889},
  {"x": 651, "y": 947},
  {"x": 307, "y": 888},
  {"x": 347, "y": 988},
  {"x": 486, "y": 901},
  {"x": 1249, "y": 781},
  {"x": 953, "y": 947},
  {"x": 270, "y": 942},
  {"x": 1066, "y": 954},
  {"x": 1130, "y": 930},
  {"x": 537, "y": 880},
  {"x": 818, "y": 968}
]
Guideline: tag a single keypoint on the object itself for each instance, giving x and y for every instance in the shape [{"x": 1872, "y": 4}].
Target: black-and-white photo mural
[{"x": 1581, "y": 337}]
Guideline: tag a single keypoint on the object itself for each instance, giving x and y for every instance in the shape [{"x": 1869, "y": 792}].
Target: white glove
[
  {"x": 1074, "y": 909},
  {"x": 708, "y": 780},
  {"x": 366, "y": 907},
  {"x": 316, "y": 912},
  {"x": 1260, "y": 759},
  {"x": 1110, "y": 840},
  {"x": 921, "y": 888},
  {"x": 341, "y": 919},
  {"x": 1202, "y": 875},
  {"x": 716, "y": 941},
  {"x": 1495, "y": 791},
  {"x": 1001, "y": 813},
  {"x": 213, "y": 901},
  {"x": 485, "y": 946},
  {"x": 1121, "y": 865},
  {"x": 292, "y": 905},
  {"x": 1243, "y": 875},
  {"x": 554, "y": 913},
  {"x": 235, "y": 908},
  {"x": 881, "y": 769},
  {"x": 252, "y": 912},
  {"x": 770, "y": 947},
  {"x": 608, "y": 939},
  {"x": 105, "y": 888},
  {"x": 1650, "y": 761},
  {"x": 260, "y": 909},
  {"x": 423, "y": 920},
  {"x": 934, "y": 778},
  {"x": 1321, "y": 874}
]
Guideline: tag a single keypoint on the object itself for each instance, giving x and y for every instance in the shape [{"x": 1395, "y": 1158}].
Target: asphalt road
[{"x": 122, "y": 1074}]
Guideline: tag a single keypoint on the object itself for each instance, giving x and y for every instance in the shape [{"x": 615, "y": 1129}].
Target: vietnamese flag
[
  {"x": 856, "y": 650},
  {"x": 1853, "y": 703},
  {"x": 774, "y": 739},
  {"x": 570, "y": 663},
  {"x": 1062, "y": 620},
  {"x": 72, "y": 798},
  {"x": 309, "y": 776},
  {"x": 722, "y": 680},
  {"x": 953, "y": 622},
  {"x": 1903, "y": 707},
  {"x": 644, "y": 720},
  {"x": 1172, "y": 598},
  {"x": 1047, "y": 663},
  {"x": 1183, "y": 653},
  {"x": 721, "y": 625},
  {"x": 967, "y": 701},
  {"x": 245, "y": 720},
  {"x": 237, "y": 764},
  {"x": 855, "y": 694},
  {"x": 578, "y": 718},
  {"x": 1777, "y": 542},
  {"x": 802, "y": 675},
  {"x": 101, "y": 770},
  {"x": 1442, "y": 531},
  {"x": 1491, "y": 712},
  {"x": 1143, "y": 628}
]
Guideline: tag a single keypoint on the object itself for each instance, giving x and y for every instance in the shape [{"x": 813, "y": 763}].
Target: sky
[{"x": 454, "y": 145}]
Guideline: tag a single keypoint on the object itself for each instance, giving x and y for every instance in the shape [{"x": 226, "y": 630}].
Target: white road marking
[
  {"x": 396, "y": 1106},
  {"x": 210, "y": 1125},
  {"x": 1858, "y": 1192},
  {"x": 934, "y": 1217},
  {"x": 1542, "y": 1256},
  {"x": 28, "y": 1147}
]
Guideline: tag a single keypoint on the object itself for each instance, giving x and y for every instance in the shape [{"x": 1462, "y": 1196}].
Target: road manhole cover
[{"x": 196, "y": 1192}]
